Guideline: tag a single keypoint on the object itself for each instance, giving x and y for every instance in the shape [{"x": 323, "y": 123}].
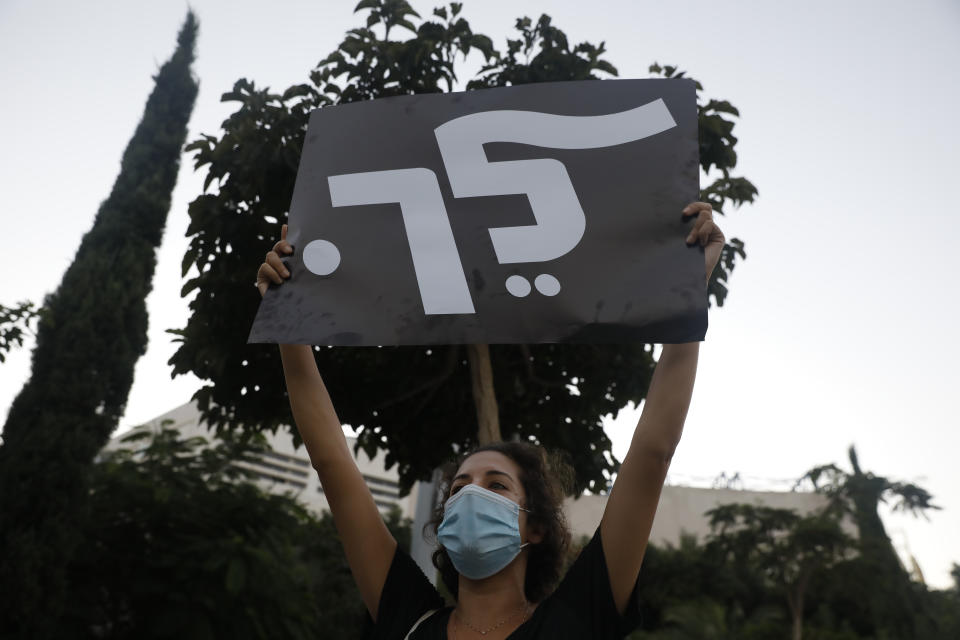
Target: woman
[{"x": 502, "y": 504}]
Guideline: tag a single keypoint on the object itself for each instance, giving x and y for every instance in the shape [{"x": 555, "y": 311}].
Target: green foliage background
[
  {"x": 15, "y": 323},
  {"x": 413, "y": 402},
  {"x": 181, "y": 543}
]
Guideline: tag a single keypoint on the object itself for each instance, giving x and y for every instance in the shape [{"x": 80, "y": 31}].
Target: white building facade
[{"x": 287, "y": 470}]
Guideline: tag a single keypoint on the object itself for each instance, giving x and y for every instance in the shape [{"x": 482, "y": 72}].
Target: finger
[
  {"x": 694, "y": 208},
  {"x": 704, "y": 213},
  {"x": 274, "y": 261},
  {"x": 711, "y": 234},
  {"x": 283, "y": 247},
  {"x": 267, "y": 274},
  {"x": 705, "y": 232},
  {"x": 698, "y": 224},
  {"x": 705, "y": 220},
  {"x": 702, "y": 225}
]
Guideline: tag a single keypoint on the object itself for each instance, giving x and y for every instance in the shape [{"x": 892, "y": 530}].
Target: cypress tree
[{"x": 91, "y": 334}]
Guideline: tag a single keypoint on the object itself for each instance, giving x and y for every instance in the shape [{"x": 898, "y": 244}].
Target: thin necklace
[{"x": 525, "y": 607}]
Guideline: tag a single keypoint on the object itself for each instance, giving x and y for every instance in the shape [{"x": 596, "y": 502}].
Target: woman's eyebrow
[{"x": 491, "y": 472}]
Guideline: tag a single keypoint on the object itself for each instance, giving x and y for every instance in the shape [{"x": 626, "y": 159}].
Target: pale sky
[{"x": 840, "y": 326}]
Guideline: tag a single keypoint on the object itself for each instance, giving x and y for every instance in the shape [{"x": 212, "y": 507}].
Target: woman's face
[{"x": 498, "y": 473}]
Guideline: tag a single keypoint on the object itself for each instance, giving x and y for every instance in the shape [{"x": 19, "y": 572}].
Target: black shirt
[{"x": 581, "y": 607}]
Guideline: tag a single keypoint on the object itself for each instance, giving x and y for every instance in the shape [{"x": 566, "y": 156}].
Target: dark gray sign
[{"x": 538, "y": 213}]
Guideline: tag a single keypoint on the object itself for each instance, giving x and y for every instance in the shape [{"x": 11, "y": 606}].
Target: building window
[
  {"x": 280, "y": 480},
  {"x": 383, "y": 482},
  {"x": 276, "y": 467},
  {"x": 285, "y": 458}
]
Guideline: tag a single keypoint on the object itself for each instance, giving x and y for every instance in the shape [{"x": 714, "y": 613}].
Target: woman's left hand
[{"x": 706, "y": 233}]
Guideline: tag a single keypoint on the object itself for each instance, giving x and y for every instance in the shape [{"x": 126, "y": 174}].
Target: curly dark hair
[{"x": 546, "y": 479}]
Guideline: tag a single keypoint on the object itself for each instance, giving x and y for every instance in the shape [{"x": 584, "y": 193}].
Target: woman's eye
[
  {"x": 497, "y": 485},
  {"x": 455, "y": 489}
]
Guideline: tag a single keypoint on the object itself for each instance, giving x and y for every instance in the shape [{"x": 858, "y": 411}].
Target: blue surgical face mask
[{"x": 480, "y": 531}]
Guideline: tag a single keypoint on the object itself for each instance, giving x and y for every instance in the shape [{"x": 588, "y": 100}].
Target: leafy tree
[
  {"x": 945, "y": 609},
  {"x": 759, "y": 559},
  {"x": 14, "y": 323},
  {"x": 542, "y": 54},
  {"x": 692, "y": 591},
  {"x": 860, "y": 493},
  {"x": 707, "y": 619},
  {"x": 882, "y": 586},
  {"x": 181, "y": 543},
  {"x": 91, "y": 334},
  {"x": 697, "y": 620},
  {"x": 414, "y": 402},
  {"x": 784, "y": 547}
]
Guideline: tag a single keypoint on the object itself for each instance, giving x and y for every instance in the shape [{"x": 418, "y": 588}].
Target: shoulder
[
  {"x": 407, "y": 596},
  {"x": 583, "y": 604}
]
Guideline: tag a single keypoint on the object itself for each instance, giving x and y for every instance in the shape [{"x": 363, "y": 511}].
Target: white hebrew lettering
[
  {"x": 547, "y": 284},
  {"x": 436, "y": 262},
  {"x": 518, "y": 286},
  {"x": 556, "y": 208},
  {"x": 560, "y": 221},
  {"x": 321, "y": 257}
]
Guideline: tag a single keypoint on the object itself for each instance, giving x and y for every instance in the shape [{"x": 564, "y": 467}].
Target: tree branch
[{"x": 449, "y": 367}]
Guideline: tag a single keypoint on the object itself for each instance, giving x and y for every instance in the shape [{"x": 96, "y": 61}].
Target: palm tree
[{"x": 891, "y": 601}]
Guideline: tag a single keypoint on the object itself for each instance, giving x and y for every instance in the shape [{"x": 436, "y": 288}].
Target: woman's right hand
[{"x": 273, "y": 270}]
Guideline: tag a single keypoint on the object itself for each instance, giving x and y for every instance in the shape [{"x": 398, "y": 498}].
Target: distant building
[
  {"x": 284, "y": 469},
  {"x": 681, "y": 510}
]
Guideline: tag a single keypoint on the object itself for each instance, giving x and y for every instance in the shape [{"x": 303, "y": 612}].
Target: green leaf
[
  {"x": 722, "y": 105},
  {"x": 189, "y": 286},
  {"x": 197, "y": 145},
  {"x": 236, "y": 578},
  {"x": 210, "y": 178},
  {"x": 603, "y": 65},
  {"x": 297, "y": 90},
  {"x": 366, "y": 4}
]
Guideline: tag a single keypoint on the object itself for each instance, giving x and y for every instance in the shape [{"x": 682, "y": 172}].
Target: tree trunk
[
  {"x": 795, "y": 600},
  {"x": 484, "y": 397}
]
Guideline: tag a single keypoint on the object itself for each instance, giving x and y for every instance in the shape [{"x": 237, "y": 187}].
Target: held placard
[{"x": 536, "y": 213}]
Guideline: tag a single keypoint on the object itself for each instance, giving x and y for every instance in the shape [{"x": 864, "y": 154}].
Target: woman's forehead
[{"x": 482, "y": 461}]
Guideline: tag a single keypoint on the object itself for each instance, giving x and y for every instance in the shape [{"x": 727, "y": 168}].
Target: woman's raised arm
[
  {"x": 367, "y": 542},
  {"x": 628, "y": 517}
]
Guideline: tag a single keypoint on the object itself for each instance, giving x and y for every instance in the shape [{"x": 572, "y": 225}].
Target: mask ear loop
[{"x": 528, "y": 511}]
